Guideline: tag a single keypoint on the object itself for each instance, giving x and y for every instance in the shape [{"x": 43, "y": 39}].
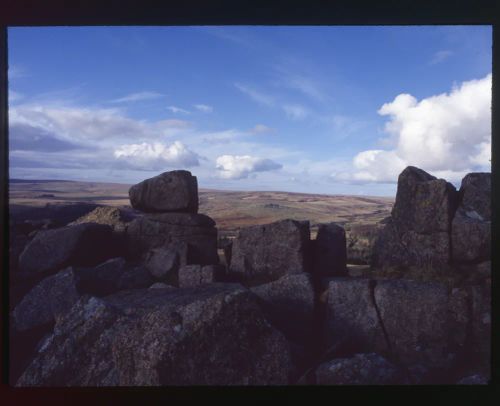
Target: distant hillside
[{"x": 230, "y": 209}]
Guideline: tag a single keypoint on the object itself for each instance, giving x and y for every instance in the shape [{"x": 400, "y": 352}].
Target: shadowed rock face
[
  {"x": 157, "y": 230},
  {"x": 175, "y": 191},
  {"x": 267, "y": 252},
  {"x": 211, "y": 335},
  {"x": 362, "y": 369},
  {"x": 82, "y": 245},
  {"x": 330, "y": 251},
  {"x": 47, "y": 300},
  {"x": 55, "y": 294}
]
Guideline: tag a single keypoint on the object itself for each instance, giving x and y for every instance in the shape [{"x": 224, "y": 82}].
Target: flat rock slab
[
  {"x": 175, "y": 191},
  {"x": 264, "y": 253},
  {"x": 351, "y": 322},
  {"x": 158, "y": 230},
  {"x": 211, "y": 335},
  {"x": 361, "y": 369},
  {"x": 289, "y": 305},
  {"x": 82, "y": 245},
  {"x": 424, "y": 321}
]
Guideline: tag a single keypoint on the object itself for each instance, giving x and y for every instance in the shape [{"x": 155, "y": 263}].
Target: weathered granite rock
[
  {"x": 470, "y": 237},
  {"x": 476, "y": 193},
  {"x": 288, "y": 304},
  {"x": 351, "y": 321},
  {"x": 81, "y": 245},
  {"x": 191, "y": 276},
  {"x": 330, "y": 251},
  {"x": 163, "y": 263},
  {"x": 157, "y": 230},
  {"x": 47, "y": 300},
  {"x": 175, "y": 191},
  {"x": 361, "y": 369},
  {"x": 264, "y": 253},
  {"x": 112, "y": 216},
  {"x": 418, "y": 233},
  {"x": 394, "y": 249},
  {"x": 211, "y": 335},
  {"x": 425, "y": 323}
]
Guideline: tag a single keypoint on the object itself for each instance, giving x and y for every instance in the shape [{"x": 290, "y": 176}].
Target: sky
[{"x": 311, "y": 109}]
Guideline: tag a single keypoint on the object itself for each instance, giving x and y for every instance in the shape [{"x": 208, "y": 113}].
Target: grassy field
[{"x": 230, "y": 209}]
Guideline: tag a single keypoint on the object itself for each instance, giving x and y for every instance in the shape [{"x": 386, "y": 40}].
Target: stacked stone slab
[
  {"x": 171, "y": 233},
  {"x": 418, "y": 232}
]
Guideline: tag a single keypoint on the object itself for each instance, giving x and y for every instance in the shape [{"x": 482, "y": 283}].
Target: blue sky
[{"x": 336, "y": 110}]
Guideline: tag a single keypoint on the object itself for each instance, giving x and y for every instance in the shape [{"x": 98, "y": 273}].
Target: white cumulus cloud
[
  {"x": 448, "y": 135},
  {"x": 156, "y": 156},
  {"x": 241, "y": 166}
]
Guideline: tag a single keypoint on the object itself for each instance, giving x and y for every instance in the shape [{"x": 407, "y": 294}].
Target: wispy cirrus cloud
[
  {"x": 262, "y": 129},
  {"x": 140, "y": 96},
  {"x": 175, "y": 110},
  {"x": 295, "y": 111},
  {"x": 204, "y": 108},
  {"x": 440, "y": 56},
  {"x": 255, "y": 95}
]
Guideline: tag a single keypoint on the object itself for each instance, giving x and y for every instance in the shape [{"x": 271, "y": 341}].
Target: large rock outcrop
[
  {"x": 265, "y": 253},
  {"x": 175, "y": 191},
  {"x": 161, "y": 229},
  {"x": 80, "y": 245},
  {"x": 211, "y": 335},
  {"x": 418, "y": 233}
]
